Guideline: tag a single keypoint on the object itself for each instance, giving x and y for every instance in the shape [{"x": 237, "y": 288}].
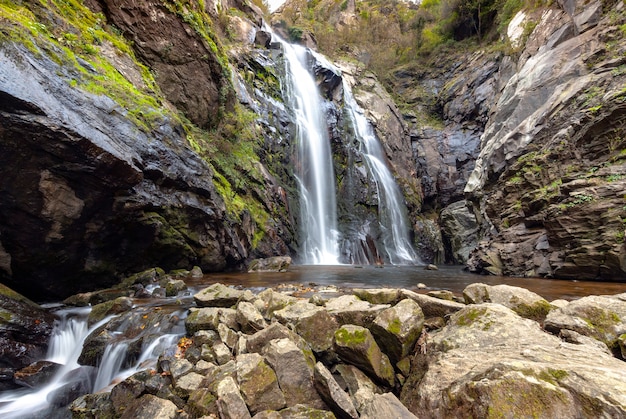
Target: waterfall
[
  {"x": 391, "y": 209},
  {"x": 314, "y": 165}
]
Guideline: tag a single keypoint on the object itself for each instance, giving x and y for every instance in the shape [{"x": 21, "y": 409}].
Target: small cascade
[
  {"x": 392, "y": 214},
  {"x": 314, "y": 165}
]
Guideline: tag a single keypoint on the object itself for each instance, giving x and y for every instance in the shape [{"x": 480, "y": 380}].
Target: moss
[
  {"x": 353, "y": 337},
  {"x": 536, "y": 311},
  {"x": 468, "y": 316},
  {"x": 395, "y": 326}
]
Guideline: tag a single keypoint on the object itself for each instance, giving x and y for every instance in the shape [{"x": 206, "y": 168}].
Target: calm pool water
[{"x": 451, "y": 278}]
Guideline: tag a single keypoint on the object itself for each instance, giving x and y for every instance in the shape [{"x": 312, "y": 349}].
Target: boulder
[
  {"x": 258, "y": 384},
  {"x": 273, "y": 264},
  {"x": 355, "y": 345},
  {"x": 206, "y": 318},
  {"x": 349, "y": 309},
  {"x": 36, "y": 374},
  {"x": 460, "y": 230},
  {"x": 378, "y": 295},
  {"x": 338, "y": 400},
  {"x": 522, "y": 301},
  {"x": 151, "y": 407},
  {"x": 173, "y": 287},
  {"x": 269, "y": 301},
  {"x": 311, "y": 322},
  {"x": 528, "y": 373},
  {"x": 102, "y": 310},
  {"x": 259, "y": 340},
  {"x": 218, "y": 295},
  {"x": 397, "y": 329},
  {"x": 384, "y": 405},
  {"x": 186, "y": 384},
  {"x": 600, "y": 317},
  {"x": 249, "y": 318},
  {"x": 301, "y": 411},
  {"x": 231, "y": 404},
  {"x": 294, "y": 369},
  {"x": 431, "y": 306}
]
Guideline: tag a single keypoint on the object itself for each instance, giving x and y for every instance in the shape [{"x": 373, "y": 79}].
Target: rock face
[{"x": 549, "y": 179}]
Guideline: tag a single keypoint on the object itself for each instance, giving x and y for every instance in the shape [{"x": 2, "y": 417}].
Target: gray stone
[
  {"x": 378, "y": 295},
  {"x": 217, "y": 295},
  {"x": 202, "y": 319},
  {"x": 338, "y": 400},
  {"x": 273, "y": 264},
  {"x": 173, "y": 287},
  {"x": 186, "y": 384},
  {"x": 355, "y": 345},
  {"x": 151, "y": 407},
  {"x": 459, "y": 227},
  {"x": 294, "y": 369},
  {"x": 227, "y": 335},
  {"x": 256, "y": 342},
  {"x": 311, "y": 322},
  {"x": 349, "y": 309},
  {"x": 269, "y": 301},
  {"x": 397, "y": 329},
  {"x": 431, "y": 306},
  {"x": 222, "y": 353},
  {"x": 524, "y": 302},
  {"x": 249, "y": 318},
  {"x": 301, "y": 411},
  {"x": 229, "y": 400},
  {"x": 258, "y": 384},
  {"x": 384, "y": 406}
]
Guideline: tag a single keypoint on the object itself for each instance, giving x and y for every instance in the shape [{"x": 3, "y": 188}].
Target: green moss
[
  {"x": 351, "y": 337},
  {"x": 469, "y": 315},
  {"x": 536, "y": 311},
  {"x": 395, "y": 326}
]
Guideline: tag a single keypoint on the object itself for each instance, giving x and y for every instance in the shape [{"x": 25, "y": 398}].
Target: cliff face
[{"x": 549, "y": 181}]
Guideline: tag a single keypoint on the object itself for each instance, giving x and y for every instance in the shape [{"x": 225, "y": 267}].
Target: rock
[
  {"x": 259, "y": 340},
  {"x": 271, "y": 301},
  {"x": 300, "y": 411},
  {"x": 222, "y": 353},
  {"x": 460, "y": 229},
  {"x": 262, "y": 39},
  {"x": 232, "y": 405},
  {"x": 600, "y": 317},
  {"x": 218, "y": 295},
  {"x": 522, "y": 301},
  {"x": 258, "y": 384},
  {"x": 227, "y": 335},
  {"x": 151, "y": 407},
  {"x": 294, "y": 369},
  {"x": 528, "y": 373},
  {"x": 378, "y": 296},
  {"x": 203, "y": 401},
  {"x": 432, "y": 307},
  {"x": 349, "y": 309},
  {"x": 206, "y": 318},
  {"x": 187, "y": 383},
  {"x": 92, "y": 406},
  {"x": 431, "y": 267},
  {"x": 384, "y": 405},
  {"x": 274, "y": 264},
  {"x": 311, "y": 322},
  {"x": 396, "y": 329},
  {"x": 332, "y": 394},
  {"x": 173, "y": 287},
  {"x": 36, "y": 374},
  {"x": 102, "y": 310},
  {"x": 249, "y": 318},
  {"x": 360, "y": 387},
  {"x": 196, "y": 272},
  {"x": 355, "y": 345}
]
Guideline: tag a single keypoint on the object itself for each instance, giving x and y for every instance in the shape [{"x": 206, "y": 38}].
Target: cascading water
[
  {"x": 391, "y": 209},
  {"x": 314, "y": 167}
]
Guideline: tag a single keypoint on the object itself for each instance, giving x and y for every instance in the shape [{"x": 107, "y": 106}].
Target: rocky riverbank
[{"x": 296, "y": 352}]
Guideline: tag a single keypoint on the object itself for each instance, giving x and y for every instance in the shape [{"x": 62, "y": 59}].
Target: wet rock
[
  {"x": 528, "y": 373},
  {"x": 76, "y": 383},
  {"x": 102, "y": 310},
  {"x": 355, "y": 345},
  {"x": 25, "y": 329},
  {"x": 36, "y": 374},
  {"x": 218, "y": 295},
  {"x": 332, "y": 394},
  {"x": 397, "y": 329},
  {"x": 311, "y": 322},
  {"x": 173, "y": 287},
  {"x": 431, "y": 267},
  {"x": 258, "y": 384},
  {"x": 432, "y": 307},
  {"x": 349, "y": 309},
  {"x": 524, "y": 302},
  {"x": 274, "y": 264},
  {"x": 294, "y": 369},
  {"x": 232, "y": 405},
  {"x": 92, "y": 406},
  {"x": 600, "y": 317}
]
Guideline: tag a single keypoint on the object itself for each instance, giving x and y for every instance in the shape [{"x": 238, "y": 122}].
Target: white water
[
  {"x": 391, "y": 208},
  {"x": 314, "y": 166}
]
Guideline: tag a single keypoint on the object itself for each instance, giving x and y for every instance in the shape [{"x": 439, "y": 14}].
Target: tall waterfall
[
  {"x": 391, "y": 209},
  {"x": 314, "y": 167}
]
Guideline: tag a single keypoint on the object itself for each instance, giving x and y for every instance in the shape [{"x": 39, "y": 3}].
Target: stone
[
  {"x": 349, "y": 309},
  {"x": 256, "y": 342},
  {"x": 36, "y": 374},
  {"x": 269, "y": 301},
  {"x": 397, "y": 329},
  {"x": 528, "y": 373},
  {"x": 355, "y": 345},
  {"x": 227, "y": 335},
  {"x": 151, "y": 407},
  {"x": 273, "y": 264},
  {"x": 173, "y": 287},
  {"x": 202, "y": 319},
  {"x": 217, "y": 295},
  {"x": 102, "y": 310},
  {"x": 294, "y": 370},
  {"x": 431, "y": 306},
  {"x": 249, "y": 318},
  {"x": 92, "y": 406},
  {"x": 332, "y": 394},
  {"x": 222, "y": 353},
  {"x": 384, "y": 405},
  {"x": 524, "y": 302},
  {"x": 314, "y": 324},
  {"x": 232, "y": 405},
  {"x": 378, "y": 295},
  {"x": 258, "y": 384},
  {"x": 360, "y": 387},
  {"x": 600, "y": 317},
  {"x": 186, "y": 384},
  {"x": 460, "y": 229},
  {"x": 300, "y": 411}
]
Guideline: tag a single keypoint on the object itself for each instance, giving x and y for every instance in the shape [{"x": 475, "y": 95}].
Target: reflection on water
[{"x": 451, "y": 278}]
